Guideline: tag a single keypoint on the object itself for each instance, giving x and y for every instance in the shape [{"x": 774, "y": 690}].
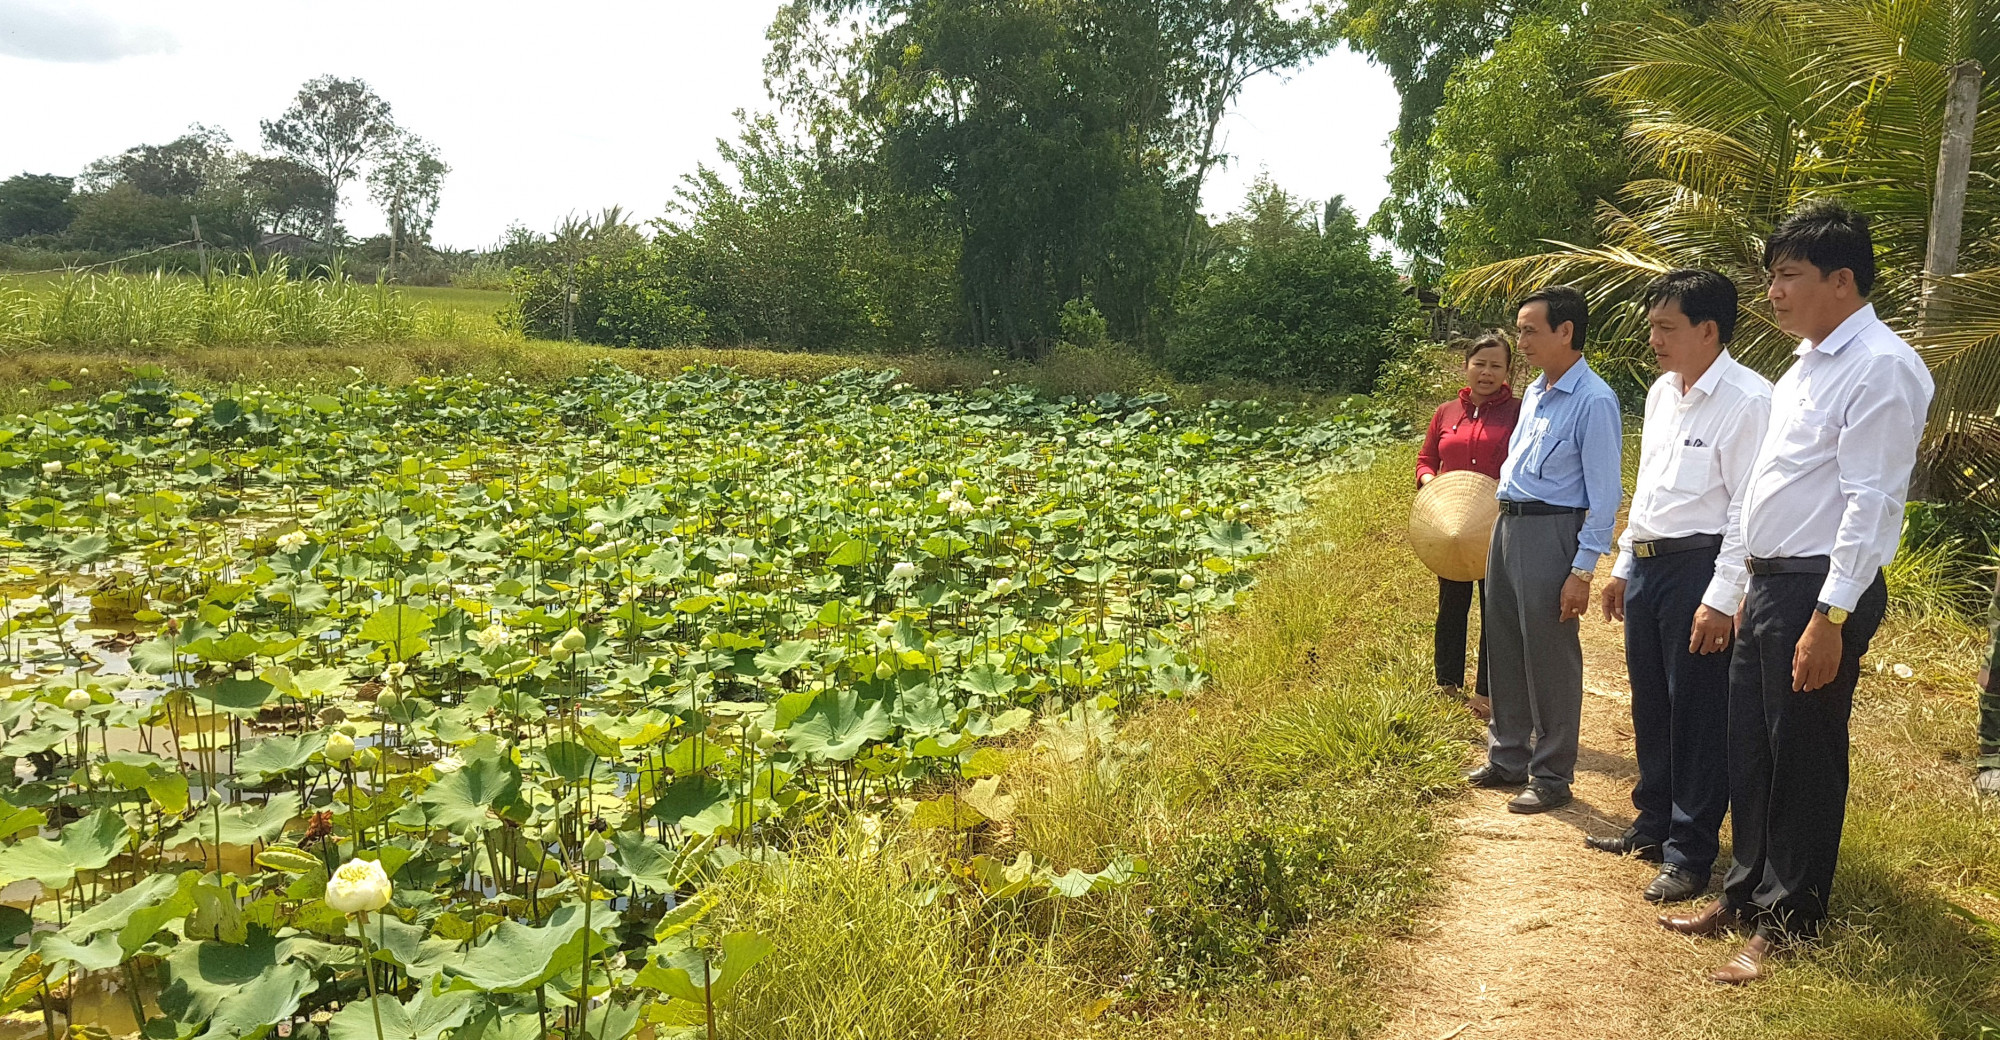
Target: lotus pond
[{"x": 547, "y": 661}]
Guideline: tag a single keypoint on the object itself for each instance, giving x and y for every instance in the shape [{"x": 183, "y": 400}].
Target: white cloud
[{"x": 40, "y": 33}]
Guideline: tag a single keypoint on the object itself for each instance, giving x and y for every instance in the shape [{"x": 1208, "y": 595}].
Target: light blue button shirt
[{"x": 1566, "y": 451}]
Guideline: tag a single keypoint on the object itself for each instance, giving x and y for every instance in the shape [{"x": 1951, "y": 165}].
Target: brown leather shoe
[
  {"x": 1746, "y": 966},
  {"x": 1710, "y": 921}
]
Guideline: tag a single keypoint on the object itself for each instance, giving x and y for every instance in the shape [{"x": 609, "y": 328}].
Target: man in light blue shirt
[{"x": 1559, "y": 494}]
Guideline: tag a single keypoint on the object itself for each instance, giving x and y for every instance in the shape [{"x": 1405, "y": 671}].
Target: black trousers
[
  {"x": 1788, "y": 756},
  {"x": 1448, "y": 643},
  {"x": 1680, "y": 710}
]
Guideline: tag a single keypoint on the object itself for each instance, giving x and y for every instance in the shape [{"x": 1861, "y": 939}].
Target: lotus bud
[
  {"x": 753, "y": 732},
  {"x": 339, "y": 747},
  {"x": 885, "y": 628},
  {"x": 76, "y": 700},
  {"x": 737, "y": 559},
  {"x": 593, "y": 848},
  {"x": 767, "y": 741},
  {"x": 1187, "y": 514},
  {"x": 113, "y": 498},
  {"x": 904, "y": 571},
  {"x": 571, "y": 640},
  {"x": 388, "y": 700},
  {"x": 885, "y": 670},
  {"x": 367, "y": 759},
  {"x": 358, "y": 887},
  {"x": 1187, "y": 581}
]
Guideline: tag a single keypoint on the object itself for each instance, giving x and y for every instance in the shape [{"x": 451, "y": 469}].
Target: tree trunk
[{"x": 1947, "y": 230}]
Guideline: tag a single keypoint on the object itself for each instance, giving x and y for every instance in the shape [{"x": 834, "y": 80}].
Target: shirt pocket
[
  {"x": 1808, "y": 439},
  {"x": 1693, "y": 469},
  {"x": 1550, "y": 461}
]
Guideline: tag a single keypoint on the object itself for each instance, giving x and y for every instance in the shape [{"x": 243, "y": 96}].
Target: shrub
[
  {"x": 1292, "y": 300},
  {"x": 640, "y": 298}
]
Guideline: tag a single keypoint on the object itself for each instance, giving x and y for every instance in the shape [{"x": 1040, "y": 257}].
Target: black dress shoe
[
  {"x": 1676, "y": 884},
  {"x": 1627, "y": 844},
  {"x": 1539, "y": 797},
  {"x": 1487, "y": 776}
]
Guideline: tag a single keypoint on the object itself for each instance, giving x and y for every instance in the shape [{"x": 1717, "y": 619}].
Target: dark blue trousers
[
  {"x": 1788, "y": 756},
  {"x": 1680, "y": 710}
]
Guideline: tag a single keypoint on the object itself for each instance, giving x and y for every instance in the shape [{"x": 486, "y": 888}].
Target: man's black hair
[
  {"x": 1702, "y": 295},
  {"x": 1565, "y": 303},
  {"x": 1828, "y": 236}
]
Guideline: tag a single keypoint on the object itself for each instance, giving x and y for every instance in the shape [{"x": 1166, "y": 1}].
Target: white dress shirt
[
  {"x": 1834, "y": 469},
  {"x": 1694, "y": 462}
]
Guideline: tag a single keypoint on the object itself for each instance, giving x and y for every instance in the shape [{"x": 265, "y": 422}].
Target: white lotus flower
[
  {"x": 339, "y": 747},
  {"x": 50, "y": 469},
  {"x": 1187, "y": 514},
  {"x": 961, "y": 507},
  {"x": 1187, "y": 581},
  {"x": 83, "y": 371},
  {"x": 183, "y": 423},
  {"x": 904, "y": 571},
  {"x": 945, "y": 497},
  {"x": 875, "y": 513},
  {"x": 727, "y": 579},
  {"x": 358, "y": 887},
  {"x": 595, "y": 529},
  {"x": 1168, "y": 472},
  {"x": 1003, "y": 586},
  {"x": 737, "y": 559},
  {"x": 885, "y": 628},
  {"x": 76, "y": 700},
  {"x": 958, "y": 485},
  {"x": 292, "y": 541},
  {"x": 394, "y": 671},
  {"x": 112, "y": 498},
  {"x": 1903, "y": 671},
  {"x": 24, "y": 770}
]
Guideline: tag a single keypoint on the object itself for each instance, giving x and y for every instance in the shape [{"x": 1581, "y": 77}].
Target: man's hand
[
  {"x": 1817, "y": 659},
  {"x": 1712, "y": 631},
  {"x": 1612, "y": 599},
  {"x": 1575, "y": 598}
]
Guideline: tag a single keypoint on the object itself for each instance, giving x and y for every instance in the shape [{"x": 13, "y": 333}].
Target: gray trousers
[{"x": 1537, "y": 659}]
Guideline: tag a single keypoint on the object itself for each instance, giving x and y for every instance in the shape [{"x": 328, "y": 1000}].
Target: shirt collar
[
  {"x": 1707, "y": 383},
  {"x": 1842, "y": 334},
  {"x": 1567, "y": 384}
]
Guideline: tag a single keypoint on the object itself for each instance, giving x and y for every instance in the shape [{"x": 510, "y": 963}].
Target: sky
[{"x": 541, "y": 109}]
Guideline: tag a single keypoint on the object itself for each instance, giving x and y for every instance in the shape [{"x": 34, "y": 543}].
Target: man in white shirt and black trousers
[
  {"x": 1679, "y": 578},
  {"x": 1821, "y": 516}
]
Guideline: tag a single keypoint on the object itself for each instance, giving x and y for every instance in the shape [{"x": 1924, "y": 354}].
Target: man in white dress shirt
[
  {"x": 1679, "y": 578},
  {"x": 1822, "y": 514}
]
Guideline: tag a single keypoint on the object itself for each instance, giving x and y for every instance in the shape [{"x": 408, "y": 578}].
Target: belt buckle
[{"x": 1643, "y": 550}]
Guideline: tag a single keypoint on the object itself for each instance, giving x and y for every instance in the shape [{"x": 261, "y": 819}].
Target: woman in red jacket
[{"x": 1469, "y": 433}]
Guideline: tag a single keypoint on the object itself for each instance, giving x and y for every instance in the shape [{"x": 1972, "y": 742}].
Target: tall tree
[
  {"x": 287, "y": 195},
  {"x": 34, "y": 204},
  {"x": 181, "y": 169},
  {"x": 332, "y": 126},
  {"x": 1066, "y": 141},
  {"x": 408, "y": 182}
]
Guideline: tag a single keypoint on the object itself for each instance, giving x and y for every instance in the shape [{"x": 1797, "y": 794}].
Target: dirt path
[{"x": 1535, "y": 936}]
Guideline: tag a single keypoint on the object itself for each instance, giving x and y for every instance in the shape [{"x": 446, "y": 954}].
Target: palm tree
[{"x": 1738, "y": 120}]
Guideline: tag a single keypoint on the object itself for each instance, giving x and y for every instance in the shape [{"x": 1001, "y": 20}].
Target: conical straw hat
[{"x": 1451, "y": 524}]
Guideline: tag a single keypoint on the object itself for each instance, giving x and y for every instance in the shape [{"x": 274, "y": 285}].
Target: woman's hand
[{"x": 1425, "y": 479}]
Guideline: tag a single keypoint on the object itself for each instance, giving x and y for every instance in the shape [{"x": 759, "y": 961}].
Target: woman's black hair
[{"x": 1491, "y": 339}]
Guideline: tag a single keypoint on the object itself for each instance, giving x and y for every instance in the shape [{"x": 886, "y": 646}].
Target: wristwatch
[
  {"x": 1833, "y": 614},
  {"x": 1582, "y": 574}
]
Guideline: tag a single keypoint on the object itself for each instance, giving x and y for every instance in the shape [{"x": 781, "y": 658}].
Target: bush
[
  {"x": 638, "y": 299},
  {"x": 1291, "y": 300}
]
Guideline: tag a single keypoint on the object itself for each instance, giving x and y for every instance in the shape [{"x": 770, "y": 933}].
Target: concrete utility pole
[{"x": 1961, "y": 116}]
